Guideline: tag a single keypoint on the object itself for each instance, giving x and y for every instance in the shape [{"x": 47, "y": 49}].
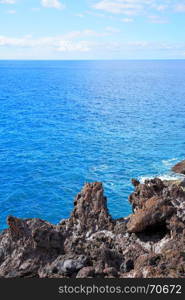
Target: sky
[{"x": 92, "y": 29}]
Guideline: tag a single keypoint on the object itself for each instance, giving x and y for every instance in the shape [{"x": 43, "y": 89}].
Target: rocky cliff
[{"x": 148, "y": 243}]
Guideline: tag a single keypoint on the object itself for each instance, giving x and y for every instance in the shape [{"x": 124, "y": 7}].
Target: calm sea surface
[{"x": 64, "y": 123}]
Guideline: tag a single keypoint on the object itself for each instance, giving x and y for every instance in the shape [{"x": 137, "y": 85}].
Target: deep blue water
[{"x": 63, "y": 123}]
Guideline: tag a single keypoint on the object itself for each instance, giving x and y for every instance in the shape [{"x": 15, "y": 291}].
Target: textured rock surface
[
  {"x": 148, "y": 243},
  {"x": 179, "y": 167},
  {"x": 155, "y": 212}
]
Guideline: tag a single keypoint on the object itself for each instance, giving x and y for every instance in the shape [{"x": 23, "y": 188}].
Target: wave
[
  {"x": 162, "y": 177},
  {"x": 163, "y": 172},
  {"x": 170, "y": 162}
]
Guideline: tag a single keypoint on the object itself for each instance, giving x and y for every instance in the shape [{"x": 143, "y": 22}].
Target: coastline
[{"x": 148, "y": 243}]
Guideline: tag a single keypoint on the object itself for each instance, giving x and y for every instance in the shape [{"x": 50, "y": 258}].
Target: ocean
[{"x": 64, "y": 123}]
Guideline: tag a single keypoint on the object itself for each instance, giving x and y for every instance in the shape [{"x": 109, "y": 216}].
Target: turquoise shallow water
[{"x": 63, "y": 123}]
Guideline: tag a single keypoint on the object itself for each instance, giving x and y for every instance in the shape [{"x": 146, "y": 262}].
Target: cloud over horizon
[
  {"x": 95, "y": 28},
  {"x": 52, "y": 4},
  {"x": 7, "y": 1}
]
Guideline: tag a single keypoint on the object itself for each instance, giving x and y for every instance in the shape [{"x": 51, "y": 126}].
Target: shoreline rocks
[
  {"x": 179, "y": 167},
  {"x": 148, "y": 243}
]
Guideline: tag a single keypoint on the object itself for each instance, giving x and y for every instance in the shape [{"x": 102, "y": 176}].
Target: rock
[
  {"x": 155, "y": 212},
  {"x": 90, "y": 212},
  {"x": 147, "y": 243},
  {"x": 127, "y": 266},
  {"x": 1, "y": 254},
  {"x": 145, "y": 191},
  {"x": 154, "y": 261},
  {"x": 108, "y": 258},
  {"x": 182, "y": 184},
  {"x": 86, "y": 272},
  {"x": 135, "y": 182},
  {"x": 70, "y": 266},
  {"x": 110, "y": 272},
  {"x": 48, "y": 239},
  {"x": 179, "y": 167},
  {"x": 64, "y": 266},
  {"x": 120, "y": 226},
  {"x": 28, "y": 243}
]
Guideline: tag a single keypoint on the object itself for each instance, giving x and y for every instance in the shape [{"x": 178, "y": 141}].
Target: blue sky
[{"x": 92, "y": 29}]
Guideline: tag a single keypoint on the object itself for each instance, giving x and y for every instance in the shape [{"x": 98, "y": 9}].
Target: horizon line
[{"x": 97, "y": 59}]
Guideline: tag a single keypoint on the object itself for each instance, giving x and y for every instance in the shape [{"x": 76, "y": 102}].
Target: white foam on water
[
  {"x": 164, "y": 173},
  {"x": 170, "y": 162},
  {"x": 168, "y": 176}
]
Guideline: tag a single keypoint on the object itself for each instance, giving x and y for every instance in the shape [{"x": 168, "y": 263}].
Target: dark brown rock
[
  {"x": 148, "y": 243},
  {"x": 110, "y": 272},
  {"x": 135, "y": 182},
  {"x": 86, "y": 272},
  {"x": 145, "y": 191},
  {"x": 48, "y": 239},
  {"x": 154, "y": 213},
  {"x": 179, "y": 167},
  {"x": 90, "y": 212},
  {"x": 127, "y": 266}
]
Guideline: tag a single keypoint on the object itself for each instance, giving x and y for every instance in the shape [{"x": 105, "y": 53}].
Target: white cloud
[
  {"x": 69, "y": 46},
  {"x": 127, "y": 7},
  {"x": 36, "y": 9},
  {"x": 11, "y": 12},
  {"x": 90, "y": 33},
  {"x": 52, "y": 4},
  {"x": 127, "y": 20},
  {"x": 58, "y": 46},
  {"x": 78, "y": 41},
  {"x": 110, "y": 29},
  {"x": 93, "y": 33},
  {"x": 57, "y": 43},
  {"x": 79, "y": 15},
  {"x": 160, "y": 7},
  {"x": 61, "y": 43},
  {"x": 180, "y": 7},
  {"x": 157, "y": 20},
  {"x": 132, "y": 7},
  {"x": 7, "y": 1},
  {"x": 95, "y": 14}
]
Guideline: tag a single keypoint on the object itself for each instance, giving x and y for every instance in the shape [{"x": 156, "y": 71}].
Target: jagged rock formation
[
  {"x": 148, "y": 243},
  {"x": 90, "y": 212}
]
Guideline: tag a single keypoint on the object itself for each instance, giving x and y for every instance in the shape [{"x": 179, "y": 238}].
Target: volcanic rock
[
  {"x": 90, "y": 212},
  {"x": 86, "y": 272},
  {"x": 145, "y": 191},
  {"x": 148, "y": 243},
  {"x": 127, "y": 266},
  {"x": 179, "y": 167},
  {"x": 155, "y": 212}
]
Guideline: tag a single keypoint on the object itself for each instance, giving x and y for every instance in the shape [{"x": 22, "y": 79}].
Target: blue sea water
[{"x": 64, "y": 123}]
